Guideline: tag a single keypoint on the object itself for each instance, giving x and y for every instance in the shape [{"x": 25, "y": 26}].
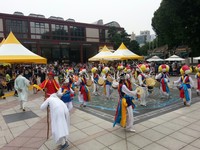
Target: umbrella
[
  {"x": 155, "y": 58},
  {"x": 197, "y": 58},
  {"x": 174, "y": 58}
]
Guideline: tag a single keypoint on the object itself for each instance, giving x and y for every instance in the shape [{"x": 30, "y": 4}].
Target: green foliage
[
  {"x": 118, "y": 37},
  {"x": 178, "y": 23}
]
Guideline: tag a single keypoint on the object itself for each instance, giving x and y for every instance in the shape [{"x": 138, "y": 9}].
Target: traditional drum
[
  {"x": 89, "y": 82},
  {"x": 115, "y": 84},
  {"x": 150, "y": 82},
  {"x": 157, "y": 84},
  {"x": 139, "y": 90},
  {"x": 109, "y": 78},
  {"x": 101, "y": 81}
]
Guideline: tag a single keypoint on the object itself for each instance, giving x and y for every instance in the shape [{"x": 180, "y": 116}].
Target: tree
[
  {"x": 134, "y": 47},
  {"x": 178, "y": 23},
  {"x": 117, "y": 37},
  {"x": 144, "y": 49}
]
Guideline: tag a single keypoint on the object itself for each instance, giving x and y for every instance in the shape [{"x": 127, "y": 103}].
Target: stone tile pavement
[{"x": 177, "y": 130}]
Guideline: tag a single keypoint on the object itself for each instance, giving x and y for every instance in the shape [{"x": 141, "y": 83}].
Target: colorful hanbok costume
[
  {"x": 163, "y": 78},
  {"x": 50, "y": 85},
  {"x": 84, "y": 92},
  {"x": 107, "y": 84},
  {"x": 124, "y": 111},
  {"x": 66, "y": 94},
  {"x": 185, "y": 84},
  {"x": 197, "y": 76},
  {"x": 95, "y": 78}
]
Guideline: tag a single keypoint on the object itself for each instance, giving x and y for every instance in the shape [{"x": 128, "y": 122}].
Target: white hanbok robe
[
  {"x": 60, "y": 119},
  {"x": 21, "y": 83},
  {"x": 142, "y": 84}
]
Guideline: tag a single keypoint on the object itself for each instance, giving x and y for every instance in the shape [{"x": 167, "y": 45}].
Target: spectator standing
[{"x": 21, "y": 85}]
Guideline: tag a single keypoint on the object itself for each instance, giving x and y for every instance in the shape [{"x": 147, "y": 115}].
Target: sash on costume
[
  {"x": 184, "y": 92},
  {"x": 164, "y": 85},
  {"x": 120, "y": 115},
  {"x": 66, "y": 96},
  {"x": 121, "y": 111},
  {"x": 198, "y": 81}
]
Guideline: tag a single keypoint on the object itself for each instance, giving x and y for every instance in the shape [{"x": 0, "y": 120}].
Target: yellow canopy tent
[
  {"x": 123, "y": 53},
  {"x": 12, "y": 51},
  {"x": 101, "y": 55}
]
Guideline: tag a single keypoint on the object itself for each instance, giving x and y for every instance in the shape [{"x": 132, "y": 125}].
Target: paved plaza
[{"x": 171, "y": 130}]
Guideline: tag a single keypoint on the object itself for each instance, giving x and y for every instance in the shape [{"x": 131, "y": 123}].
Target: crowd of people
[{"x": 80, "y": 79}]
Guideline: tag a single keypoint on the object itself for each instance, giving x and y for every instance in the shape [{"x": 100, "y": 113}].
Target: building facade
[
  {"x": 144, "y": 37},
  {"x": 55, "y": 38}
]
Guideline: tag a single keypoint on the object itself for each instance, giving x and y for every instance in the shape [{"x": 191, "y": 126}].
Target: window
[
  {"x": 59, "y": 32},
  {"x": 92, "y": 35},
  {"x": 39, "y": 30},
  {"x": 77, "y": 33},
  {"x": 19, "y": 27},
  {"x": 102, "y": 35}
]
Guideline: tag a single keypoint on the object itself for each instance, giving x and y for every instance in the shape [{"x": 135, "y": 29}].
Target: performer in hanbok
[
  {"x": 60, "y": 119},
  {"x": 107, "y": 85},
  {"x": 84, "y": 92},
  {"x": 95, "y": 78},
  {"x": 124, "y": 112},
  {"x": 70, "y": 75},
  {"x": 21, "y": 85},
  {"x": 129, "y": 78},
  {"x": 128, "y": 82},
  {"x": 197, "y": 76},
  {"x": 49, "y": 85},
  {"x": 66, "y": 94},
  {"x": 142, "y": 82},
  {"x": 120, "y": 69},
  {"x": 186, "y": 83},
  {"x": 163, "y": 78}
]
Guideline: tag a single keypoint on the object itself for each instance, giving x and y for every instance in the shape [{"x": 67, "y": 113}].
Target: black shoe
[
  {"x": 184, "y": 103},
  {"x": 63, "y": 147},
  {"x": 197, "y": 93},
  {"x": 84, "y": 105},
  {"x": 24, "y": 109}
]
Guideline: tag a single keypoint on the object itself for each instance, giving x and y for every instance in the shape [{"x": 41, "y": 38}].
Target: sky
[{"x": 132, "y": 15}]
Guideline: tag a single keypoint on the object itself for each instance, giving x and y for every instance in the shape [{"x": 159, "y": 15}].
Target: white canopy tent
[
  {"x": 12, "y": 51},
  {"x": 197, "y": 58},
  {"x": 154, "y": 58},
  {"x": 174, "y": 58},
  {"x": 123, "y": 53},
  {"x": 102, "y": 55}
]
